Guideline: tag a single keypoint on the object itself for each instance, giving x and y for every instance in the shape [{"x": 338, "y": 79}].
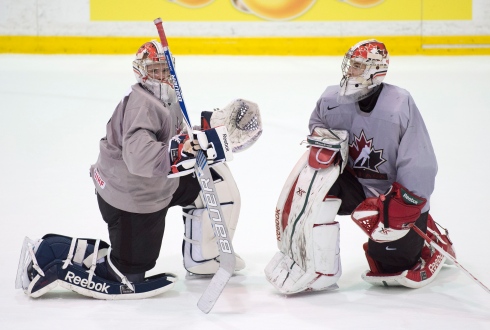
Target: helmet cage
[
  {"x": 152, "y": 71},
  {"x": 364, "y": 66},
  {"x": 148, "y": 58}
]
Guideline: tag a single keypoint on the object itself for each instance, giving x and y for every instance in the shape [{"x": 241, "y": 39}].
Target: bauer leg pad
[
  {"x": 82, "y": 266},
  {"x": 199, "y": 248},
  {"x": 201, "y": 255}
]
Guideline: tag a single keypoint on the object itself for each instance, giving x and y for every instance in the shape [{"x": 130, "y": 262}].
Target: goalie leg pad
[
  {"x": 423, "y": 273},
  {"x": 199, "y": 248},
  {"x": 307, "y": 234},
  {"x": 82, "y": 266},
  {"x": 288, "y": 277}
]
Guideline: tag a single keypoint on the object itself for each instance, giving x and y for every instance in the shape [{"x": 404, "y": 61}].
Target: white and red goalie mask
[
  {"x": 364, "y": 67},
  {"x": 390, "y": 216},
  {"x": 151, "y": 70}
]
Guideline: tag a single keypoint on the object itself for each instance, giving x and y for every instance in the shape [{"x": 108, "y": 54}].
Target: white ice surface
[{"x": 53, "y": 113}]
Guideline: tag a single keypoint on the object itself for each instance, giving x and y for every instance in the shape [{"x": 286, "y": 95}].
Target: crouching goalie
[{"x": 377, "y": 165}]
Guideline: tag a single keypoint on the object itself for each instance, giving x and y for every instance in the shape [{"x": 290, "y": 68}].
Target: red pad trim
[{"x": 287, "y": 206}]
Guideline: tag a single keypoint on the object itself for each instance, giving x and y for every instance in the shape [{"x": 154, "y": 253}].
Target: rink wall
[{"x": 245, "y": 27}]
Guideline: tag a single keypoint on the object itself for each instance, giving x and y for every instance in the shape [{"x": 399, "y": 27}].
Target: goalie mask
[
  {"x": 364, "y": 67},
  {"x": 151, "y": 70}
]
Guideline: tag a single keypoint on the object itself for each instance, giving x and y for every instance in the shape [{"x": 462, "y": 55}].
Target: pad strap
[
  {"x": 34, "y": 260},
  {"x": 123, "y": 278},
  {"x": 80, "y": 251},
  {"x": 70, "y": 253}
]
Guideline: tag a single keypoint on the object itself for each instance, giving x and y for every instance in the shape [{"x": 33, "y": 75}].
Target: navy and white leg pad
[{"x": 72, "y": 264}]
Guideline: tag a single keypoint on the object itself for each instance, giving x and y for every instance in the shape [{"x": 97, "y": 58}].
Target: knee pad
[
  {"x": 306, "y": 230},
  {"x": 199, "y": 248},
  {"x": 82, "y": 266}
]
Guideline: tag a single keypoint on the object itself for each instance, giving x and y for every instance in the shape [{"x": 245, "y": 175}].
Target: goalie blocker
[
  {"x": 307, "y": 233},
  {"x": 82, "y": 266}
]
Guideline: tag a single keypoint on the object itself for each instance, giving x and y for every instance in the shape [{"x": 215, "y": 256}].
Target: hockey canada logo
[{"x": 366, "y": 159}]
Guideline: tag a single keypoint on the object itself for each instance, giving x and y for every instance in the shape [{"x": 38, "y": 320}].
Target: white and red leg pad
[
  {"x": 200, "y": 249},
  {"x": 423, "y": 273},
  {"x": 307, "y": 234},
  {"x": 322, "y": 270}
]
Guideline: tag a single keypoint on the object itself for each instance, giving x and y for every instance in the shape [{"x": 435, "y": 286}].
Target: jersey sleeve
[
  {"x": 416, "y": 162},
  {"x": 317, "y": 119}
]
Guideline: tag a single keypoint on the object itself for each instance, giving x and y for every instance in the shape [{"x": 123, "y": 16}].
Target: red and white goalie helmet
[
  {"x": 152, "y": 72},
  {"x": 364, "y": 67}
]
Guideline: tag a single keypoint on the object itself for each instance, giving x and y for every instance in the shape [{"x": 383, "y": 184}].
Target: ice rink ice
[{"x": 53, "y": 113}]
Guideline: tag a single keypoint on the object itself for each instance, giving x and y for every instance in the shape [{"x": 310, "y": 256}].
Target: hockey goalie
[
  {"x": 370, "y": 156},
  {"x": 146, "y": 165}
]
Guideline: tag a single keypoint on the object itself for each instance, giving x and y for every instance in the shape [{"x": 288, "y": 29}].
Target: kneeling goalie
[
  {"x": 370, "y": 156},
  {"x": 146, "y": 166}
]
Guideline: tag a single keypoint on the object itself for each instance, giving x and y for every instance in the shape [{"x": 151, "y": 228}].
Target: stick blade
[{"x": 214, "y": 289}]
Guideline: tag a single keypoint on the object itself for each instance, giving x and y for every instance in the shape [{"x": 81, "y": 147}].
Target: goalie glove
[
  {"x": 390, "y": 216},
  {"x": 182, "y": 150},
  {"x": 242, "y": 120}
]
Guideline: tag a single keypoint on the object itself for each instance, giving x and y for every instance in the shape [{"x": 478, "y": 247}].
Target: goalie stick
[
  {"x": 210, "y": 198},
  {"x": 447, "y": 255}
]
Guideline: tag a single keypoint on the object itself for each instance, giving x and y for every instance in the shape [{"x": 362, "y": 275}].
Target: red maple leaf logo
[{"x": 365, "y": 158}]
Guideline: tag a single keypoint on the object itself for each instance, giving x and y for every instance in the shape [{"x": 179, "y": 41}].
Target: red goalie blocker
[{"x": 390, "y": 216}]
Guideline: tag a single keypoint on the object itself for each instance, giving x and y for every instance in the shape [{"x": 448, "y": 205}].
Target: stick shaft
[
  {"x": 447, "y": 255},
  {"x": 209, "y": 196}
]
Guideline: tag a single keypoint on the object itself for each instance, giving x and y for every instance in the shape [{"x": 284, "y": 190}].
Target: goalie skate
[{"x": 424, "y": 272}]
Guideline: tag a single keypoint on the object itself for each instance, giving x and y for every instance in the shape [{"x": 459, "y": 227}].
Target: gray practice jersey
[
  {"x": 131, "y": 171},
  {"x": 389, "y": 144}
]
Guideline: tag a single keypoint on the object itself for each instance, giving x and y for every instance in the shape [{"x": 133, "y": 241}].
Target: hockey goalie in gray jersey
[
  {"x": 377, "y": 133},
  {"x": 145, "y": 166}
]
